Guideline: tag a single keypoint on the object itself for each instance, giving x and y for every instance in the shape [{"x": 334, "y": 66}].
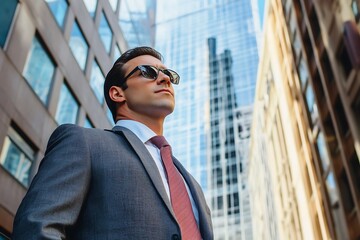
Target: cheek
[{"x": 138, "y": 96}]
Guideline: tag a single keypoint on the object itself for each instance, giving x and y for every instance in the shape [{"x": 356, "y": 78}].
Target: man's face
[{"x": 147, "y": 97}]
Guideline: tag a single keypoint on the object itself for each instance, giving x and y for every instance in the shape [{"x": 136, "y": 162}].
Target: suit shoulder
[
  {"x": 75, "y": 129},
  {"x": 72, "y": 131}
]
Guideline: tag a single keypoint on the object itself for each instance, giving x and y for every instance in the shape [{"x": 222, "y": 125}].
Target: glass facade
[
  {"x": 17, "y": 157},
  {"x": 182, "y": 36},
  {"x": 88, "y": 123},
  {"x": 79, "y": 46},
  {"x": 113, "y": 4},
  {"x": 117, "y": 53},
  {"x": 7, "y": 11},
  {"x": 39, "y": 70},
  {"x": 105, "y": 32},
  {"x": 91, "y": 6},
  {"x": 68, "y": 107},
  {"x": 109, "y": 115},
  {"x": 97, "y": 82},
  {"x": 58, "y": 9},
  {"x": 137, "y": 20}
]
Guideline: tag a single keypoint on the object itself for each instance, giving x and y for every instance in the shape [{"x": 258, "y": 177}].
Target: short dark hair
[{"x": 115, "y": 76}]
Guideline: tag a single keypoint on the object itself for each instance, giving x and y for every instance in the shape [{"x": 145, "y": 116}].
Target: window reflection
[
  {"x": 7, "y": 11},
  {"x": 58, "y": 9},
  {"x": 68, "y": 107},
  {"x": 105, "y": 32},
  {"x": 78, "y": 45},
  {"x": 91, "y": 6},
  {"x": 97, "y": 82},
  {"x": 17, "y": 157},
  {"x": 39, "y": 70}
]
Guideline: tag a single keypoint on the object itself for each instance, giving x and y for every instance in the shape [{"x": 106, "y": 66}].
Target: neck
[{"x": 156, "y": 125}]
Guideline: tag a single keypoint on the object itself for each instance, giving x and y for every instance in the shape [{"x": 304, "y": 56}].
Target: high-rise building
[
  {"x": 137, "y": 21},
  {"x": 54, "y": 55},
  {"x": 186, "y": 32},
  {"x": 304, "y": 170}
]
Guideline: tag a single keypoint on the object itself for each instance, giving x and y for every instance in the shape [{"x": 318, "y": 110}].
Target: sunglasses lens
[
  {"x": 148, "y": 72},
  {"x": 174, "y": 77}
]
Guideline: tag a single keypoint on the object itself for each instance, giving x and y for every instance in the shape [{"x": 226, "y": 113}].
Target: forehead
[{"x": 143, "y": 60}]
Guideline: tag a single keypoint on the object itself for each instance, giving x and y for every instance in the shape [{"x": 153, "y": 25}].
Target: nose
[{"x": 163, "y": 78}]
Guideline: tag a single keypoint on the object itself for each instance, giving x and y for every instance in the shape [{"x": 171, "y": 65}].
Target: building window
[
  {"x": 311, "y": 105},
  {"x": 345, "y": 192},
  {"x": 344, "y": 59},
  {"x": 17, "y": 157},
  {"x": 68, "y": 107},
  {"x": 323, "y": 153},
  {"x": 39, "y": 70},
  {"x": 88, "y": 123},
  {"x": 91, "y": 6},
  {"x": 113, "y": 4},
  {"x": 97, "y": 82},
  {"x": 296, "y": 44},
  {"x": 105, "y": 32},
  {"x": 7, "y": 11},
  {"x": 117, "y": 53},
  {"x": 303, "y": 72},
  {"x": 58, "y": 9},
  {"x": 341, "y": 118},
  {"x": 355, "y": 6},
  {"x": 326, "y": 66},
  {"x": 332, "y": 189},
  {"x": 78, "y": 45}
]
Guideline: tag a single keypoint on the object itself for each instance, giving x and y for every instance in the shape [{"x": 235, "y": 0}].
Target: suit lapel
[{"x": 147, "y": 161}]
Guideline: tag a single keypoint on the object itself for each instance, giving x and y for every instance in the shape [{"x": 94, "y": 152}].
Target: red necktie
[{"x": 180, "y": 200}]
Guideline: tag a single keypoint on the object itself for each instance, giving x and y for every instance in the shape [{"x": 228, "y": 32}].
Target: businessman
[{"x": 122, "y": 183}]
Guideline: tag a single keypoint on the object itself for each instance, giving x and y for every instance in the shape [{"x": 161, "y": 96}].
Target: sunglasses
[{"x": 151, "y": 72}]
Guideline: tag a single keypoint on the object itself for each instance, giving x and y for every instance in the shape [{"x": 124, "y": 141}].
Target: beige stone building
[
  {"x": 304, "y": 171},
  {"x": 53, "y": 59}
]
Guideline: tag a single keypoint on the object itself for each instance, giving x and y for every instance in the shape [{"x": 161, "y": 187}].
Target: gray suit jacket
[{"x": 96, "y": 184}]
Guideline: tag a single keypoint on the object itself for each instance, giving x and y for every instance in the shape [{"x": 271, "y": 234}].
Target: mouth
[{"x": 164, "y": 91}]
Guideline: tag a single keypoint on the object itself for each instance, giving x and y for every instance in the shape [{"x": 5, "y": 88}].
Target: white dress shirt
[{"x": 144, "y": 134}]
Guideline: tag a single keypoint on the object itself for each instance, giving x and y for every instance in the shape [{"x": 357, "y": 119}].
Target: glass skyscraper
[{"x": 212, "y": 45}]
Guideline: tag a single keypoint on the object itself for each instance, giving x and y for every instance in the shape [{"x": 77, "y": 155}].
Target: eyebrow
[{"x": 162, "y": 67}]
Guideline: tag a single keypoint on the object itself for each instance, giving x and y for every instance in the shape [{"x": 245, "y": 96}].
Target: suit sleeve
[{"x": 55, "y": 196}]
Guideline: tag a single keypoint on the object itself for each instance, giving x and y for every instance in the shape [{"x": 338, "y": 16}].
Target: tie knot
[{"x": 159, "y": 141}]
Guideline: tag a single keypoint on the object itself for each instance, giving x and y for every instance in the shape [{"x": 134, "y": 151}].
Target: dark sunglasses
[{"x": 151, "y": 72}]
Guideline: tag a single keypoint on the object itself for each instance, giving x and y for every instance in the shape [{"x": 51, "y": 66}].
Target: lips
[{"x": 164, "y": 90}]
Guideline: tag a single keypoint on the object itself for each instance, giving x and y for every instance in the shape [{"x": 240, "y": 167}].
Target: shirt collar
[{"x": 143, "y": 132}]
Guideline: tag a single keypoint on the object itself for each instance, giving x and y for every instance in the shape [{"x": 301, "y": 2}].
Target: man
[{"x": 121, "y": 183}]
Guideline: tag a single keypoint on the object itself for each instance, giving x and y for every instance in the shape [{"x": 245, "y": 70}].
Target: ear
[{"x": 117, "y": 94}]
